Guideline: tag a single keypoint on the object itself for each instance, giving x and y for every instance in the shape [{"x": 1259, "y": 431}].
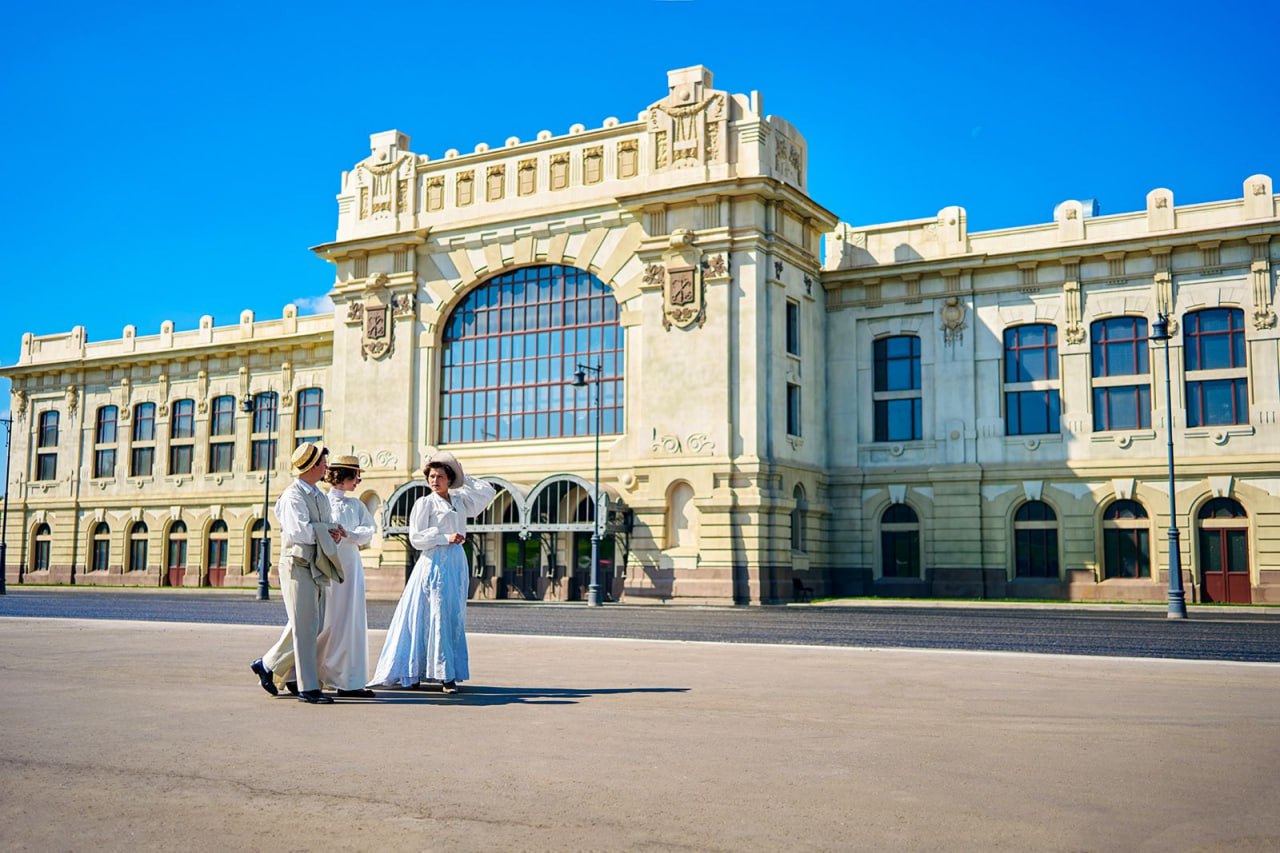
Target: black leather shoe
[
  {"x": 314, "y": 697},
  {"x": 449, "y": 687},
  {"x": 264, "y": 677},
  {"x": 292, "y": 687},
  {"x": 356, "y": 694}
]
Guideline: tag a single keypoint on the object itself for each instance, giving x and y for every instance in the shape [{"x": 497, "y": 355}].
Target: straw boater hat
[
  {"x": 306, "y": 457},
  {"x": 450, "y": 461},
  {"x": 347, "y": 463}
]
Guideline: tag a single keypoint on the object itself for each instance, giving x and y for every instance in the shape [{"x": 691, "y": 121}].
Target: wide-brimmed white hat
[
  {"x": 451, "y": 462},
  {"x": 306, "y": 457}
]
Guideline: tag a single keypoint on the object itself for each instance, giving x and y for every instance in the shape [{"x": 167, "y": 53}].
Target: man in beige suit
[{"x": 307, "y": 563}]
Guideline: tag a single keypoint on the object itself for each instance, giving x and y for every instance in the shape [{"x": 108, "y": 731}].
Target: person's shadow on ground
[{"x": 482, "y": 695}]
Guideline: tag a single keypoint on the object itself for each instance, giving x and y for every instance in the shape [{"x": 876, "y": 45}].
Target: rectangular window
[
  {"x": 104, "y": 463},
  {"x": 1217, "y": 402},
  {"x": 142, "y": 462},
  {"x": 897, "y": 402},
  {"x": 898, "y": 420},
  {"x": 183, "y": 424},
  {"x": 1122, "y": 407},
  {"x": 222, "y": 420},
  {"x": 180, "y": 458},
  {"x": 221, "y": 457},
  {"x": 106, "y": 428},
  {"x": 264, "y": 455},
  {"x": 144, "y": 422},
  {"x": 1031, "y": 412},
  {"x": 793, "y": 409},
  {"x": 793, "y": 327},
  {"x": 47, "y": 466}
]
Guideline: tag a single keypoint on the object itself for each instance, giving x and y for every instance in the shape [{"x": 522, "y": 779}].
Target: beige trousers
[{"x": 304, "y": 601}]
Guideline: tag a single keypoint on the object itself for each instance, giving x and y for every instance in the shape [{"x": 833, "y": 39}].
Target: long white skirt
[
  {"x": 342, "y": 650},
  {"x": 427, "y": 639}
]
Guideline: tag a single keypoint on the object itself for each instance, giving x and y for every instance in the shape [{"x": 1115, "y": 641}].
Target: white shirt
[{"x": 433, "y": 518}]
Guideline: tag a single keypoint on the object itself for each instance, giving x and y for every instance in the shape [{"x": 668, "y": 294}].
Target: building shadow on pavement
[{"x": 482, "y": 695}]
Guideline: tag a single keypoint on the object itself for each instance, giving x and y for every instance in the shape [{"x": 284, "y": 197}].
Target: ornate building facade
[{"x": 782, "y": 405}]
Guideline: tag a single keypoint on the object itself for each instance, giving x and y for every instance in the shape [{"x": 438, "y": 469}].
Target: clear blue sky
[{"x": 170, "y": 160}]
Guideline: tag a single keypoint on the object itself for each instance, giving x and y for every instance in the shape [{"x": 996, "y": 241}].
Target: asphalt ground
[
  {"x": 1212, "y": 633},
  {"x": 128, "y": 735}
]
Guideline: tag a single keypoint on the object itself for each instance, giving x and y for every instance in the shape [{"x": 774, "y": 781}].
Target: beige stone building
[{"x": 785, "y": 405}]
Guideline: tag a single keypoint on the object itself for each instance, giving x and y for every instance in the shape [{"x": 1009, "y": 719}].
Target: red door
[
  {"x": 176, "y": 574},
  {"x": 1224, "y": 552}
]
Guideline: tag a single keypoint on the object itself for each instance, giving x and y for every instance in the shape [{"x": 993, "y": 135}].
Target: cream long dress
[{"x": 343, "y": 646}]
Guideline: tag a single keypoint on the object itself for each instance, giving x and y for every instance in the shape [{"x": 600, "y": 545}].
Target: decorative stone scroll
[{"x": 683, "y": 294}]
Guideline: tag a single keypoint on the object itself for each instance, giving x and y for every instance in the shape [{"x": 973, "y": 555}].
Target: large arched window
[
  {"x": 1035, "y": 541},
  {"x": 138, "y": 547},
  {"x": 40, "y": 548},
  {"x": 1031, "y": 380},
  {"x": 1126, "y": 541},
  {"x": 510, "y": 350},
  {"x": 47, "y": 444},
  {"x": 1217, "y": 378},
  {"x": 900, "y": 542},
  {"x": 1121, "y": 374},
  {"x": 216, "y": 548},
  {"x": 100, "y": 554}
]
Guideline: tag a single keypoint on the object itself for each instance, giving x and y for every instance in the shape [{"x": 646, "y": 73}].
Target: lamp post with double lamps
[
  {"x": 580, "y": 381},
  {"x": 1177, "y": 599},
  {"x": 249, "y": 405}
]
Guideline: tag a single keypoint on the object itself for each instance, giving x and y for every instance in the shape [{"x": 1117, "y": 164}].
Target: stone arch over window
[
  {"x": 41, "y": 547},
  {"x": 682, "y": 516},
  {"x": 900, "y": 542},
  {"x": 1035, "y": 541},
  {"x": 799, "y": 520},
  {"x": 1126, "y": 540},
  {"x": 509, "y": 350},
  {"x": 100, "y": 547}
]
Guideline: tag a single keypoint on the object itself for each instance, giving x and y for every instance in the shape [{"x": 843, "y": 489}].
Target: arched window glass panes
[
  {"x": 142, "y": 460},
  {"x": 1031, "y": 380},
  {"x": 799, "y": 520},
  {"x": 1222, "y": 551},
  {"x": 1126, "y": 541},
  {"x": 222, "y": 434},
  {"x": 1035, "y": 541},
  {"x": 899, "y": 542},
  {"x": 1214, "y": 341},
  {"x": 138, "y": 547},
  {"x": 309, "y": 418},
  {"x": 680, "y": 519},
  {"x": 510, "y": 350},
  {"x": 897, "y": 398},
  {"x": 100, "y": 548},
  {"x": 40, "y": 548},
  {"x": 105, "y": 437},
  {"x": 1119, "y": 354},
  {"x": 47, "y": 447},
  {"x": 216, "y": 549}
]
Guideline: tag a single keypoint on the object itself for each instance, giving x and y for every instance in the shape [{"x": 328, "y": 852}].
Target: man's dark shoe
[
  {"x": 449, "y": 687},
  {"x": 314, "y": 697},
  {"x": 264, "y": 677},
  {"x": 356, "y": 694},
  {"x": 292, "y": 687}
]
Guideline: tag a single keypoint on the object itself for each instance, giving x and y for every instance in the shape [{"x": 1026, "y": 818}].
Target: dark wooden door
[{"x": 1224, "y": 565}]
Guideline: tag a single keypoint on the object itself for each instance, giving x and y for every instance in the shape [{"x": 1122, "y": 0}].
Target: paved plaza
[{"x": 138, "y": 735}]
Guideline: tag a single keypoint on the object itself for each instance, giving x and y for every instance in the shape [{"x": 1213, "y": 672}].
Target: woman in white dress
[
  {"x": 427, "y": 639},
  {"x": 342, "y": 650}
]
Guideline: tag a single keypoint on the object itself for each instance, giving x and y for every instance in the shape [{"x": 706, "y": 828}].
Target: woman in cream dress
[
  {"x": 427, "y": 639},
  {"x": 343, "y": 646}
]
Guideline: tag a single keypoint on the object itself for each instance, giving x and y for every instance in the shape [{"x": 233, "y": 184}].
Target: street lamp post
[
  {"x": 1177, "y": 599},
  {"x": 580, "y": 381},
  {"x": 264, "y": 564},
  {"x": 4, "y": 516}
]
